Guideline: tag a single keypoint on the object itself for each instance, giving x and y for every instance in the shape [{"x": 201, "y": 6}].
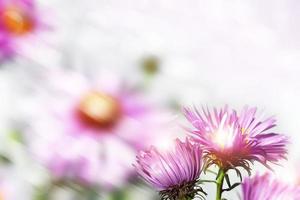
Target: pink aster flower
[
  {"x": 173, "y": 173},
  {"x": 89, "y": 130},
  {"x": 267, "y": 188},
  {"x": 19, "y": 19},
  {"x": 230, "y": 139}
]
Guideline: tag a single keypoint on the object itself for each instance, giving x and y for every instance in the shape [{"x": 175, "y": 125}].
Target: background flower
[
  {"x": 267, "y": 188},
  {"x": 87, "y": 123},
  {"x": 19, "y": 21}
]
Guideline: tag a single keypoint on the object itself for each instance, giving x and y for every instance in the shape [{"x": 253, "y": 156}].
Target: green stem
[{"x": 220, "y": 180}]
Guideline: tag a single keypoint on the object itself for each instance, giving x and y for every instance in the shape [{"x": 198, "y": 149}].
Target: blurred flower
[
  {"x": 90, "y": 130},
  {"x": 267, "y": 188},
  {"x": 230, "y": 140},
  {"x": 18, "y": 20},
  {"x": 173, "y": 173}
]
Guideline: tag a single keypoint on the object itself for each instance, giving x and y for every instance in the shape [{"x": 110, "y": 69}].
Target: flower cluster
[
  {"x": 96, "y": 133},
  {"x": 223, "y": 138}
]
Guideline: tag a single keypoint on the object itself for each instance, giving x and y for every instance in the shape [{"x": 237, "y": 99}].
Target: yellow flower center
[
  {"x": 221, "y": 138},
  {"x": 99, "y": 109},
  {"x": 16, "y": 21}
]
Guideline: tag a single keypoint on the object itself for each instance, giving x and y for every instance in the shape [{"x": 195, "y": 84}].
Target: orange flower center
[
  {"x": 16, "y": 21},
  {"x": 99, "y": 109}
]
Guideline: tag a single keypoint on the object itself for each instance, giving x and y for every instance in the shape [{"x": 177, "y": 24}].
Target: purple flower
[
  {"x": 173, "y": 173},
  {"x": 267, "y": 188},
  {"x": 231, "y": 140},
  {"x": 18, "y": 20},
  {"x": 88, "y": 130}
]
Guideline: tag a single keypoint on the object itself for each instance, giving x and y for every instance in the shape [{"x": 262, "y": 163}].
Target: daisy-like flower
[
  {"x": 18, "y": 20},
  {"x": 173, "y": 173},
  {"x": 267, "y": 188},
  {"x": 233, "y": 140},
  {"x": 89, "y": 130}
]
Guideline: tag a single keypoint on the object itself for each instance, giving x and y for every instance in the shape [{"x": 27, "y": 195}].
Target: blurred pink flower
[
  {"x": 231, "y": 140},
  {"x": 173, "y": 173},
  {"x": 19, "y": 19},
  {"x": 267, "y": 188},
  {"x": 90, "y": 130}
]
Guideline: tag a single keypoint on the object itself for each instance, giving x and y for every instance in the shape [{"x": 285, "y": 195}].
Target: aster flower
[
  {"x": 233, "y": 140},
  {"x": 267, "y": 188},
  {"x": 89, "y": 130},
  {"x": 173, "y": 173},
  {"x": 18, "y": 20}
]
